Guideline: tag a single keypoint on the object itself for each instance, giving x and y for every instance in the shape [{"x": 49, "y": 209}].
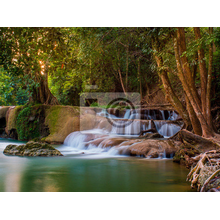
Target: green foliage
[
  {"x": 28, "y": 128},
  {"x": 12, "y": 89},
  {"x": 94, "y": 104},
  {"x": 78, "y": 57}
]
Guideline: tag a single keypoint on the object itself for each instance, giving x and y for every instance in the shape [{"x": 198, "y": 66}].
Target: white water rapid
[{"x": 118, "y": 139}]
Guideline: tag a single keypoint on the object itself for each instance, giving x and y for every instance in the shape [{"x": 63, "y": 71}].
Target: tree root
[
  {"x": 193, "y": 174},
  {"x": 208, "y": 180},
  {"x": 210, "y": 158}
]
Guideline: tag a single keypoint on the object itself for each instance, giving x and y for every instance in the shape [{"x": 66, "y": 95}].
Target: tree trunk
[
  {"x": 186, "y": 79},
  {"x": 209, "y": 83},
  {"x": 202, "y": 70},
  {"x": 194, "y": 120},
  {"x": 127, "y": 63},
  {"x": 42, "y": 93},
  {"x": 170, "y": 95},
  {"x": 121, "y": 80},
  {"x": 139, "y": 76}
]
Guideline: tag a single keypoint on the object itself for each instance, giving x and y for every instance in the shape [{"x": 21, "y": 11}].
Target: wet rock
[
  {"x": 32, "y": 149},
  {"x": 152, "y": 135},
  {"x": 153, "y": 148}
]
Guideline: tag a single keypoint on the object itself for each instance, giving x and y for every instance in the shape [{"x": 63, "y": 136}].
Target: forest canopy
[{"x": 55, "y": 65}]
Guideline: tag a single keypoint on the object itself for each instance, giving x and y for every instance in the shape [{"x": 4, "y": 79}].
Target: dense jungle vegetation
[{"x": 55, "y": 65}]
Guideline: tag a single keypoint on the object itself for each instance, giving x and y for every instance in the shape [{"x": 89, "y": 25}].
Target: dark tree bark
[{"x": 42, "y": 93}]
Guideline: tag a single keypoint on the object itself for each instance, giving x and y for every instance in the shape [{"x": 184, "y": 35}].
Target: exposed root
[
  {"x": 208, "y": 164},
  {"x": 208, "y": 180}
]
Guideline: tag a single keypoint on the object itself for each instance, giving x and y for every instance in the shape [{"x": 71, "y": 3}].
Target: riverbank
[{"x": 54, "y": 124}]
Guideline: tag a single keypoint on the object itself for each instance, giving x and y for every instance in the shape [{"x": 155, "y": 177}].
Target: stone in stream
[{"x": 32, "y": 149}]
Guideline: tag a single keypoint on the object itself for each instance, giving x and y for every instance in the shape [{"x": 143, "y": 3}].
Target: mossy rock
[
  {"x": 11, "y": 117},
  {"x": 32, "y": 149},
  {"x": 61, "y": 121},
  {"x": 185, "y": 153},
  {"x": 30, "y": 123}
]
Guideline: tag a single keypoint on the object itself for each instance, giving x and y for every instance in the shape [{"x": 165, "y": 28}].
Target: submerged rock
[{"x": 32, "y": 149}]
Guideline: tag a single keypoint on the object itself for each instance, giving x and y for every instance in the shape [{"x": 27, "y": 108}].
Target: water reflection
[{"x": 71, "y": 174}]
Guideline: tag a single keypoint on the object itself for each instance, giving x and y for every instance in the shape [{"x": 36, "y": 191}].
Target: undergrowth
[{"x": 27, "y": 123}]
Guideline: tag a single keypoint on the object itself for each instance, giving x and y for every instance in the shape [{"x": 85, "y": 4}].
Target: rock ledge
[{"x": 32, "y": 149}]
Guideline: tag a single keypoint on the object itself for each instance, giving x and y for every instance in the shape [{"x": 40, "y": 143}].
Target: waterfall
[
  {"x": 163, "y": 115},
  {"x": 77, "y": 143},
  {"x": 162, "y": 119},
  {"x": 114, "y": 135},
  {"x": 125, "y": 128},
  {"x": 172, "y": 115},
  {"x": 166, "y": 129}
]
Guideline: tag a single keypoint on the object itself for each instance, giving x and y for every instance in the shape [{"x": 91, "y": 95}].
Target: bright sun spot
[{"x": 42, "y": 65}]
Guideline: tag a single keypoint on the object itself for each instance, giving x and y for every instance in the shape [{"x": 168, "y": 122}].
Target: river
[{"x": 86, "y": 173}]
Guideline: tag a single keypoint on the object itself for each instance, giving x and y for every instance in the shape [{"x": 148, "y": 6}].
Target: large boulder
[
  {"x": 32, "y": 149},
  {"x": 153, "y": 148},
  {"x": 63, "y": 120}
]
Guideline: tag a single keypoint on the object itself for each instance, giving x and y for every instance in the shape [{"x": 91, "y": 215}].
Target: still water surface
[{"x": 89, "y": 174}]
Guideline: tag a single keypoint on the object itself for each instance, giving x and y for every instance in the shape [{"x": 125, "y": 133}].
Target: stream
[
  {"x": 89, "y": 173},
  {"x": 98, "y": 160}
]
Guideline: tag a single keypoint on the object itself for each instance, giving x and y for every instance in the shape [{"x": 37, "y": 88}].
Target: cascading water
[
  {"x": 117, "y": 139},
  {"x": 92, "y": 142}
]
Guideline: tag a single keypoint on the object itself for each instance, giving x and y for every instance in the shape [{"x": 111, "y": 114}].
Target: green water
[{"x": 86, "y": 174}]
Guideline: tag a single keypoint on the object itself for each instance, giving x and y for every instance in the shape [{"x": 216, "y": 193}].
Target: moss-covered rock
[
  {"x": 32, "y": 149},
  {"x": 47, "y": 123},
  {"x": 30, "y": 123},
  {"x": 185, "y": 153},
  {"x": 11, "y": 117},
  {"x": 61, "y": 121}
]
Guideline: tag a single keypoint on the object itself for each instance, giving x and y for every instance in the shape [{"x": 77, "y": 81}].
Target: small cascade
[
  {"x": 162, "y": 153},
  {"x": 118, "y": 130},
  {"x": 125, "y": 128},
  {"x": 77, "y": 143},
  {"x": 172, "y": 115},
  {"x": 166, "y": 129},
  {"x": 127, "y": 114},
  {"x": 163, "y": 115}
]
